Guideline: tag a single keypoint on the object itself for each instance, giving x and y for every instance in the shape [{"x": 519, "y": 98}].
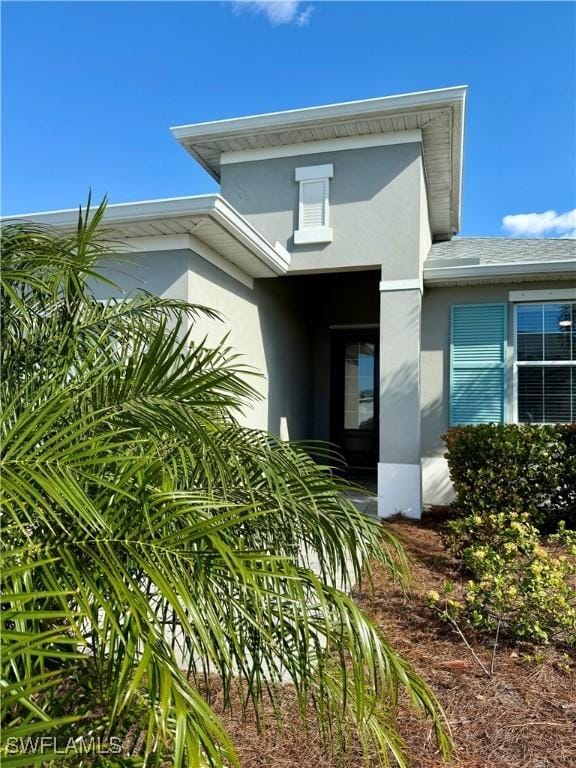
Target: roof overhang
[
  {"x": 204, "y": 223},
  {"x": 473, "y": 274},
  {"x": 437, "y": 114}
]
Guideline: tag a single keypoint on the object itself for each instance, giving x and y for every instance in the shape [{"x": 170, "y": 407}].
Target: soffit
[{"x": 439, "y": 115}]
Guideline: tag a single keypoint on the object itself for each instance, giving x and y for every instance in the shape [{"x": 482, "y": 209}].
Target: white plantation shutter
[
  {"x": 313, "y": 201},
  {"x": 313, "y": 215}
]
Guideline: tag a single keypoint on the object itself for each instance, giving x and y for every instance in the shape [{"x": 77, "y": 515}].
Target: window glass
[
  {"x": 557, "y": 331},
  {"x": 530, "y": 400},
  {"x": 545, "y": 394},
  {"x": 573, "y": 328},
  {"x": 545, "y": 359},
  {"x": 359, "y": 386},
  {"x": 530, "y": 326}
]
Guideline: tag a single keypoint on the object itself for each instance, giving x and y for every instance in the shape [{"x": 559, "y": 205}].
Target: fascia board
[
  {"x": 458, "y": 163},
  {"x": 213, "y": 206},
  {"x": 446, "y": 274},
  {"x": 307, "y": 115},
  {"x": 228, "y": 217},
  {"x": 119, "y": 213}
]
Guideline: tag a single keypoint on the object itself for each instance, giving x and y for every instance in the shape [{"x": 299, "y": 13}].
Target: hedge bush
[
  {"x": 513, "y": 484},
  {"x": 522, "y": 468}
]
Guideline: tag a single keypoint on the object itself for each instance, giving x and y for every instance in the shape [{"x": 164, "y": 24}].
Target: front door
[{"x": 354, "y": 396}]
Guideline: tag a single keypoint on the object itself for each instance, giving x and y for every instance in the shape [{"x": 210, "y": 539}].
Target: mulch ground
[{"x": 523, "y": 716}]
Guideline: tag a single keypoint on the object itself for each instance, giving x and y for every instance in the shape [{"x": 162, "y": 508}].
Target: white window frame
[
  {"x": 522, "y": 301},
  {"x": 304, "y": 235}
]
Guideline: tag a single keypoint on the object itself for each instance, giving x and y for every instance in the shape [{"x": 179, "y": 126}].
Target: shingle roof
[{"x": 471, "y": 251}]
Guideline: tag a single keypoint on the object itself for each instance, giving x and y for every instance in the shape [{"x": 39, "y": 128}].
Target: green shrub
[
  {"x": 516, "y": 583},
  {"x": 513, "y": 482},
  {"x": 523, "y": 468}
]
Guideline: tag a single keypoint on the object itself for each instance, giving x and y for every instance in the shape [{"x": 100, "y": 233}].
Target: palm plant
[{"x": 150, "y": 543}]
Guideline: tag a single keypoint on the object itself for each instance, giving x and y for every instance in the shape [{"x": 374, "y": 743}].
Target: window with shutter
[
  {"x": 478, "y": 363},
  {"x": 313, "y": 204}
]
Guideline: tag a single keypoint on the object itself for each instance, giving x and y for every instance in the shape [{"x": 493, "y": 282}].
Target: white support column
[
  {"x": 399, "y": 468},
  {"x": 399, "y": 490}
]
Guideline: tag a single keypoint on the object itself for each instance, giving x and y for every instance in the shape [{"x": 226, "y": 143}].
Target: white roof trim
[
  {"x": 445, "y": 275},
  {"x": 267, "y": 258},
  {"x": 458, "y": 162},
  {"x": 339, "y": 110},
  {"x": 554, "y": 294},
  {"x": 314, "y": 172},
  {"x": 124, "y": 212}
]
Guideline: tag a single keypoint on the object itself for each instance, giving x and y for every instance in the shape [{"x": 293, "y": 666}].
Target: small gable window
[{"x": 313, "y": 204}]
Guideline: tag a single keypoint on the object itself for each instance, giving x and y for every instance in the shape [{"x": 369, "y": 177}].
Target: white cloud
[
  {"x": 303, "y": 18},
  {"x": 278, "y": 11},
  {"x": 545, "y": 224}
]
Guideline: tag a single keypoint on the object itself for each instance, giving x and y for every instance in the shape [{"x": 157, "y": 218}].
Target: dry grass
[{"x": 524, "y": 716}]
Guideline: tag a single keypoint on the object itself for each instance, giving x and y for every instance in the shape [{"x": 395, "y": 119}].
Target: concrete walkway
[{"x": 365, "y": 502}]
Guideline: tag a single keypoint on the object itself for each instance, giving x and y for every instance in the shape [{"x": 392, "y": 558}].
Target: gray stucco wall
[
  {"x": 265, "y": 326},
  {"x": 375, "y": 206},
  {"x": 425, "y": 233},
  {"x": 162, "y": 273},
  {"x": 400, "y": 377},
  {"x": 288, "y": 350},
  {"x": 435, "y": 355}
]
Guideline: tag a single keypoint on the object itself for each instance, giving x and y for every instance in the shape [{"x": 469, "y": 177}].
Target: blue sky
[{"x": 90, "y": 89}]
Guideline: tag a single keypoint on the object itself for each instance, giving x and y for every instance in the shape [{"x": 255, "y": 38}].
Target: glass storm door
[{"x": 354, "y": 396}]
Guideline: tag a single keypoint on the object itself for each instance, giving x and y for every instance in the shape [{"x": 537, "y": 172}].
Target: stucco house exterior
[{"x": 331, "y": 253}]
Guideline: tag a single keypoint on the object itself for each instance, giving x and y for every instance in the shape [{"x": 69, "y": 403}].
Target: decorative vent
[
  {"x": 313, "y": 195},
  {"x": 313, "y": 206}
]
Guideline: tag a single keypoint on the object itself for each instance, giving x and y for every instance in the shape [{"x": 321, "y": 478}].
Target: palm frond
[{"x": 151, "y": 542}]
